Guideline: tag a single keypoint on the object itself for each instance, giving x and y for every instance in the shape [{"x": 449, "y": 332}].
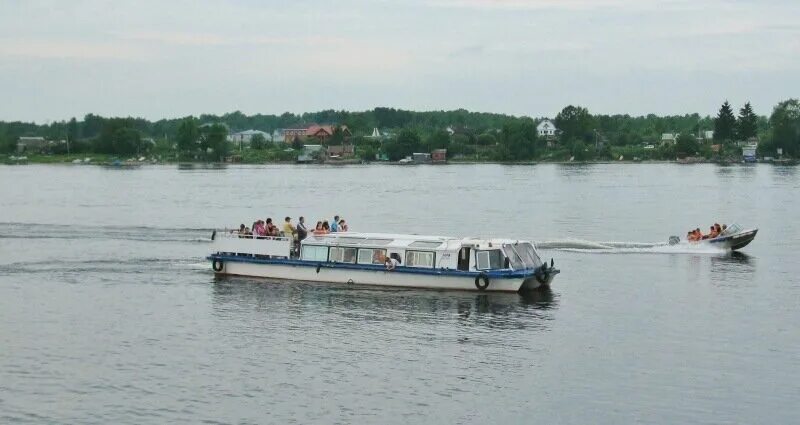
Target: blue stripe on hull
[{"x": 494, "y": 274}]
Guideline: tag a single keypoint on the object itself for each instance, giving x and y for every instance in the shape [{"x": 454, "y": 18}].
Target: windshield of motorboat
[
  {"x": 732, "y": 229},
  {"x": 522, "y": 256},
  {"x": 529, "y": 254}
]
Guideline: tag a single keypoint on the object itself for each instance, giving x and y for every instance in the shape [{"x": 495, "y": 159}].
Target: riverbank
[{"x": 103, "y": 159}]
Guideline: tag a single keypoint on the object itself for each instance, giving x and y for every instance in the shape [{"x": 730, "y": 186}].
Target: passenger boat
[
  {"x": 733, "y": 238},
  {"x": 433, "y": 262}
]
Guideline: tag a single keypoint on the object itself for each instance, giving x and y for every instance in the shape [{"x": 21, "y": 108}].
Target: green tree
[
  {"x": 187, "y": 136},
  {"x": 439, "y": 139},
  {"x": 576, "y": 123},
  {"x": 785, "y": 127},
  {"x": 518, "y": 141},
  {"x": 367, "y": 153},
  {"x": 486, "y": 139},
  {"x": 747, "y": 124},
  {"x": 725, "y": 124},
  {"x": 258, "y": 141},
  {"x": 118, "y": 136},
  {"x": 686, "y": 145},
  {"x": 407, "y": 142},
  {"x": 126, "y": 141},
  {"x": 214, "y": 142}
]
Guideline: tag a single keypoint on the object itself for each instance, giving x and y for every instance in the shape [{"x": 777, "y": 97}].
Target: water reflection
[
  {"x": 503, "y": 310},
  {"x": 201, "y": 166},
  {"x": 783, "y": 171},
  {"x": 733, "y": 269},
  {"x": 576, "y": 169}
]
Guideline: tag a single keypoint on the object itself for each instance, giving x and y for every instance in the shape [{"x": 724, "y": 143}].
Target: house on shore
[
  {"x": 322, "y": 135},
  {"x": 546, "y": 129},
  {"x": 669, "y": 138},
  {"x": 243, "y": 138},
  {"x": 31, "y": 144}
]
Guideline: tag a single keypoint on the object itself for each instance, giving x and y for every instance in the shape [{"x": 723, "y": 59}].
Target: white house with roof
[
  {"x": 546, "y": 129},
  {"x": 669, "y": 138},
  {"x": 243, "y": 138}
]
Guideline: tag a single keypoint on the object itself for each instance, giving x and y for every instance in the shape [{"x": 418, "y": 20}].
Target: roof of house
[{"x": 545, "y": 124}]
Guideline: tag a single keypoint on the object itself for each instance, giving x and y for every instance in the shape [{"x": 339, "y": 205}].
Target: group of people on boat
[
  {"x": 337, "y": 225},
  {"x": 714, "y": 231},
  {"x": 298, "y": 232}
]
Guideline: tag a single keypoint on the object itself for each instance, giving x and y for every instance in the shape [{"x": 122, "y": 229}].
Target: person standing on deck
[
  {"x": 302, "y": 231},
  {"x": 335, "y": 224},
  {"x": 288, "y": 228}
]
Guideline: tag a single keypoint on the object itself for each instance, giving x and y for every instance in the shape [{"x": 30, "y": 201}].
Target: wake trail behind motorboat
[{"x": 617, "y": 247}]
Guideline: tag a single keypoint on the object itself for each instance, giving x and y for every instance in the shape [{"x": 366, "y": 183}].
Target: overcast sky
[{"x": 163, "y": 59}]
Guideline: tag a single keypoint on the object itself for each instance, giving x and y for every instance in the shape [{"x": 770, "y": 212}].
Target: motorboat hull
[{"x": 735, "y": 241}]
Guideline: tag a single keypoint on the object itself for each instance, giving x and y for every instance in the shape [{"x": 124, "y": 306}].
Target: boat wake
[{"x": 584, "y": 246}]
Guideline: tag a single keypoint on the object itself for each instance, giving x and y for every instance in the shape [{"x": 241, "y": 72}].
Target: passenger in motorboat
[
  {"x": 342, "y": 226},
  {"x": 714, "y": 231}
]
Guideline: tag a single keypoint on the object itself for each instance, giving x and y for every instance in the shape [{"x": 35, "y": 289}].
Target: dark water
[{"x": 108, "y": 313}]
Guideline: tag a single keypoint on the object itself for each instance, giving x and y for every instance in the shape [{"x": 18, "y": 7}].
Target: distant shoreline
[{"x": 109, "y": 161}]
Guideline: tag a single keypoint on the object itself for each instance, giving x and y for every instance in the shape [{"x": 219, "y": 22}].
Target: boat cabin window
[
  {"x": 371, "y": 256},
  {"x": 341, "y": 254},
  {"x": 489, "y": 260},
  {"x": 422, "y": 259},
  {"x": 315, "y": 253}
]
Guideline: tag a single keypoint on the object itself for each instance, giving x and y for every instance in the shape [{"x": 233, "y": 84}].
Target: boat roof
[{"x": 395, "y": 240}]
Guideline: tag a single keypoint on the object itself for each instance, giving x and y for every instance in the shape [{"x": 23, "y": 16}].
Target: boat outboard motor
[
  {"x": 674, "y": 240},
  {"x": 543, "y": 273}
]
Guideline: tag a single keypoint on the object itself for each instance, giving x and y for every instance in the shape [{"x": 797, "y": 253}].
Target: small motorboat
[{"x": 733, "y": 238}]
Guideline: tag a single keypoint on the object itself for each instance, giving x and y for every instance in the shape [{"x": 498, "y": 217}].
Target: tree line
[{"x": 490, "y": 136}]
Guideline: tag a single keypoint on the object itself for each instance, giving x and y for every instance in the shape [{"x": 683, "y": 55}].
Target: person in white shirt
[{"x": 391, "y": 263}]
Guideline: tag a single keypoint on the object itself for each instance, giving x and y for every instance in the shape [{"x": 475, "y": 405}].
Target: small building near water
[
  {"x": 31, "y": 144},
  {"x": 439, "y": 156},
  {"x": 421, "y": 158}
]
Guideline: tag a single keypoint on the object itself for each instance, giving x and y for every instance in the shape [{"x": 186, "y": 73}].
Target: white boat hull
[{"x": 372, "y": 277}]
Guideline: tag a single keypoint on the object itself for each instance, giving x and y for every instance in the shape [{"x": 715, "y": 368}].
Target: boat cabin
[{"x": 431, "y": 252}]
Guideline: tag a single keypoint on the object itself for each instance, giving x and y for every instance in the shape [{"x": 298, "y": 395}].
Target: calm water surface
[{"x": 109, "y": 314}]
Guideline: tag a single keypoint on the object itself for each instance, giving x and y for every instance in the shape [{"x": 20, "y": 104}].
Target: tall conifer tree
[
  {"x": 725, "y": 124},
  {"x": 747, "y": 124}
]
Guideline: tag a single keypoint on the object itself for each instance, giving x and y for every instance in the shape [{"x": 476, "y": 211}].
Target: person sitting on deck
[
  {"x": 698, "y": 235},
  {"x": 271, "y": 229},
  {"x": 712, "y": 232},
  {"x": 342, "y": 226},
  {"x": 690, "y": 236},
  {"x": 318, "y": 230},
  {"x": 718, "y": 229},
  {"x": 258, "y": 229},
  {"x": 326, "y": 228}
]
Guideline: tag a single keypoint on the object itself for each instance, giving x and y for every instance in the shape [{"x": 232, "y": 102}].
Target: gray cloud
[{"x": 165, "y": 59}]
